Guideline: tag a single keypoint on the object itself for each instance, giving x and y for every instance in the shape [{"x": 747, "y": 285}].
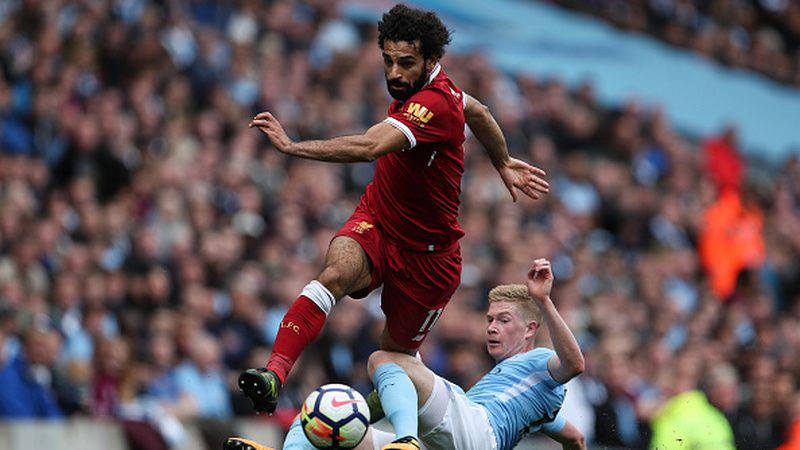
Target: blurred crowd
[
  {"x": 150, "y": 242},
  {"x": 761, "y": 35}
]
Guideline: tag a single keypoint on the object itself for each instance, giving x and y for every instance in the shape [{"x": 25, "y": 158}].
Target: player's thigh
[
  {"x": 430, "y": 277},
  {"x": 450, "y": 421},
  {"x": 356, "y": 257},
  {"x": 417, "y": 287}
]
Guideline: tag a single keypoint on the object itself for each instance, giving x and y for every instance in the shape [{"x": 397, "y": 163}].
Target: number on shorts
[{"x": 430, "y": 321}]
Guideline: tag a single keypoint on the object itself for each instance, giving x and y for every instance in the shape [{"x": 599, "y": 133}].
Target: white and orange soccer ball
[{"x": 335, "y": 416}]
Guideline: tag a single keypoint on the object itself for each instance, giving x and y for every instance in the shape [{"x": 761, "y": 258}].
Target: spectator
[
  {"x": 22, "y": 264},
  {"x": 731, "y": 240},
  {"x": 723, "y": 163},
  {"x": 755, "y": 425},
  {"x": 201, "y": 378},
  {"x": 792, "y": 439},
  {"x": 617, "y": 423},
  {"x": 88, "y": 156},
  {"x": 687, "y": 419},
  {"x": 115, "y": 394},
  {"x": 722, "y": 390},
  {"x": 25, "y": 379},
  {"x": 238, "y": 331}
]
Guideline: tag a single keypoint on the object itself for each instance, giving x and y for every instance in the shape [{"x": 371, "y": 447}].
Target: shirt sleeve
[
  {"x": 555, "y": 426},
  {"x": 426, "y": 117}
]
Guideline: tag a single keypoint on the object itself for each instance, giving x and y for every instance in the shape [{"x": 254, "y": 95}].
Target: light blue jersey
[{"x": 520, "y": 396}]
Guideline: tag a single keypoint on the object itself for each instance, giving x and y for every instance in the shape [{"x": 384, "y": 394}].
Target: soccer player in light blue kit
[{"x": 522, "y": 394}]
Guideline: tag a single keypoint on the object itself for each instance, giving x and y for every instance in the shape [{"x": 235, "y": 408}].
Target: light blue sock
[
  {"x": 398, "y": 398},
  {"x": 296, "y": 439}
]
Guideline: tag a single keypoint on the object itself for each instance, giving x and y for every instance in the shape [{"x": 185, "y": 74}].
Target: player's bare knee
[
  {"x": 380, "y": 357},
  {"x": 347, "y": 270},
  {"x": 335, "y": 280},
  {"x": 376, "y": 359}
]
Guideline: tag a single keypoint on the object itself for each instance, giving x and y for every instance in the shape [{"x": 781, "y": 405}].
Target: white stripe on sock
[{"x": 320, "y": 295}]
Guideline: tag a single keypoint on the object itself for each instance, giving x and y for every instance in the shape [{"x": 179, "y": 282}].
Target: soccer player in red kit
[{"x": 404, "y": 233}]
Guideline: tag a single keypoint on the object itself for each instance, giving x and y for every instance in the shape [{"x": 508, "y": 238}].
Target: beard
[{"x": 407, "y": 90}]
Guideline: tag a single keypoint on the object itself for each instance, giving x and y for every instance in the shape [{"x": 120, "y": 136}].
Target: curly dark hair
[{"x": 406, "y": 24}]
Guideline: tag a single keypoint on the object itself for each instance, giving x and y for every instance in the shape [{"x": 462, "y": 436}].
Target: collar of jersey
[{"x": 436, "y": 69}]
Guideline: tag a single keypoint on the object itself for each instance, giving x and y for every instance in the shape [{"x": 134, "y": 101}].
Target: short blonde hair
[{"x": 517, "y": 294}]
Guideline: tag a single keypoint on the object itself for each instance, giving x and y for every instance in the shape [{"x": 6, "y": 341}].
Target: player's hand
[
  {"x": 269, "y": 125},
  {"x": 525, "y": 177},
  {"x": 540, "y": 279}
]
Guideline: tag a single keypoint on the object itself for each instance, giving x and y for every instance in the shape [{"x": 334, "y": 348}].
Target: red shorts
[{"x": 416, "y": 285}]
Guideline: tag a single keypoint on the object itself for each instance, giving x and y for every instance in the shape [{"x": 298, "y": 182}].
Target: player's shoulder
[
  {"x": 433, "y": 98},
  {"x": 536, "y": 354},
  {"x": 440, "y": 92}
]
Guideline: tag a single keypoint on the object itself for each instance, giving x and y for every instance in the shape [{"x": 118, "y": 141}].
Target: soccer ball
[{"x": 335, "y": 416}]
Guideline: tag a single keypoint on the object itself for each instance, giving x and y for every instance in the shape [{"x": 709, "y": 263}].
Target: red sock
[{"x": 299, "y": 327}]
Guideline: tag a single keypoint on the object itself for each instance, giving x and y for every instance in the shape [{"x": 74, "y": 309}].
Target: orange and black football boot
[
  {"x": 235, "y": 443},
  {"x": 403, "y": 443}
]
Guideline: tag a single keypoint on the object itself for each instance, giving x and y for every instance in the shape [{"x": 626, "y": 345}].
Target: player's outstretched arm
[
  {"x": 516, "y": 174},
  {"x": 379, "y": 140},
  {"x": 568, "y": 362},
  {"x": 569, "y": 437}
]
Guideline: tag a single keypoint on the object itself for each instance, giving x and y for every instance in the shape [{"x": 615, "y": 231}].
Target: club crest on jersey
[
  {"x": 362, "y": 226},
  {"x": 417, "y": 114}
]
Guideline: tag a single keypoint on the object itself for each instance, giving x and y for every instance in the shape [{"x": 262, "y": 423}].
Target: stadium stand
[
  {"x": 139, "y": 217},
  {"x": 760, "y": 35}
]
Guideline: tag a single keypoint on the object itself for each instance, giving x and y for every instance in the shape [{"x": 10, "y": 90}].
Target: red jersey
[{"x": 416, "y": 192}]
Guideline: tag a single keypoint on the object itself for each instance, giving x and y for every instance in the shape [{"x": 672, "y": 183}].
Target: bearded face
[
  {"x": 405, "y": 68},
  {"x": 402, "y": 90}
]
